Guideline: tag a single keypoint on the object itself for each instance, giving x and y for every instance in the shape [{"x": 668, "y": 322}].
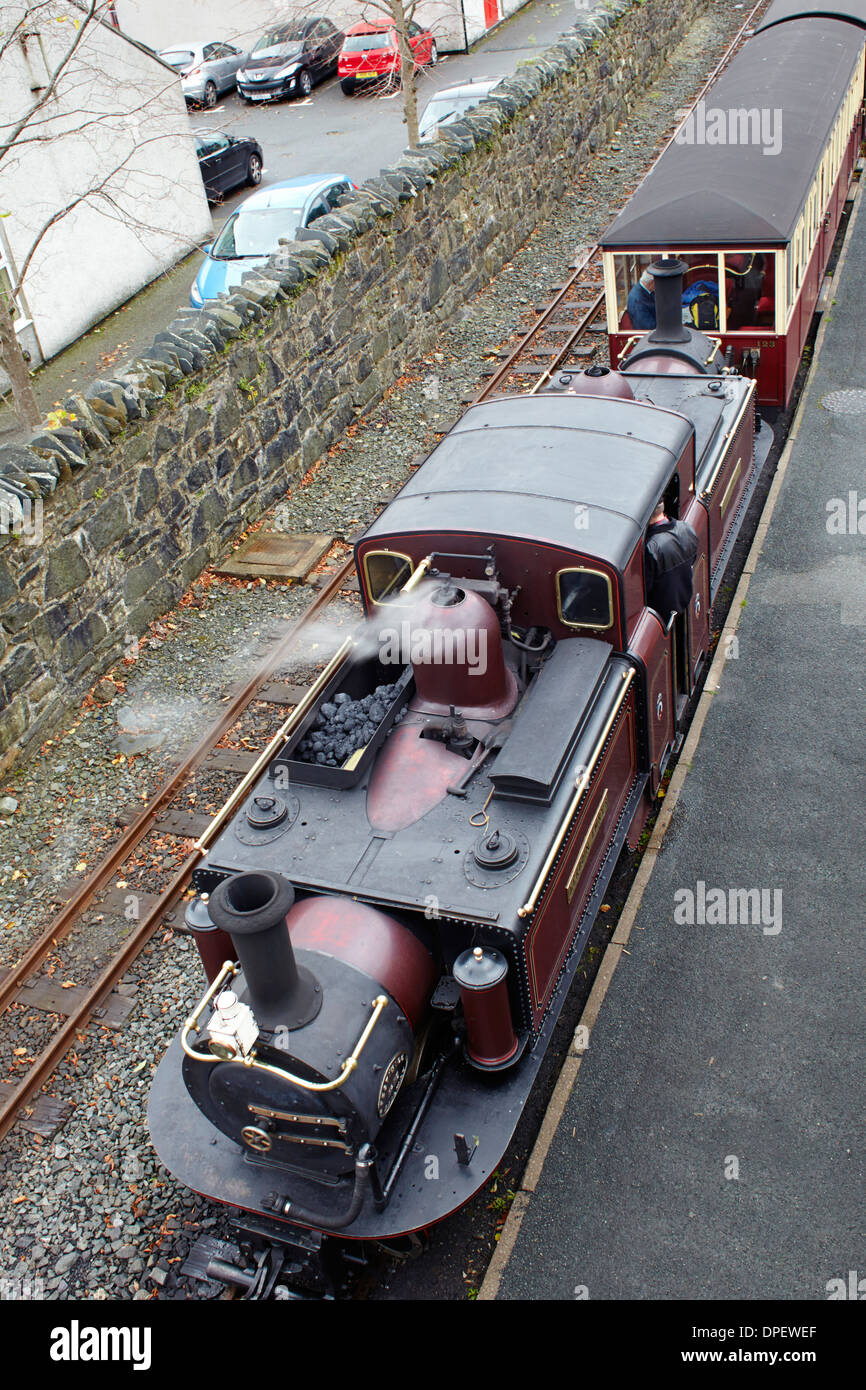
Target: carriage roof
[
  {"x": 735, "y": 194},
  {"x": 524, "y": 465}
]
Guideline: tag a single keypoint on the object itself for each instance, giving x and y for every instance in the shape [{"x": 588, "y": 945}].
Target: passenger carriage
[{"x": 750, "y": 194}]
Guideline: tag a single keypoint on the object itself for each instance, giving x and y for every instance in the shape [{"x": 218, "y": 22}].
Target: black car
[
  {"x": 227, "y": 161},
  {"x": 288, "y": 59}
]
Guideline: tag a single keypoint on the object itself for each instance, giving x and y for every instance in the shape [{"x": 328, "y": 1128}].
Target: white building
[
  {"x": 161, "y": 23},
  {"x": 101, "y": 191}
]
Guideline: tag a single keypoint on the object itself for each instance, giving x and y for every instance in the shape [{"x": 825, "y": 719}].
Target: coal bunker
[{"x": 344, "y": 725}]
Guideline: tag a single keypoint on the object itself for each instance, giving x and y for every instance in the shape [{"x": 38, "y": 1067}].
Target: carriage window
[
  {"x": 585, "y": 598},
  {"x": 635, "y": 304},
  {"x": 750, "y": 289},
  {"x": 386, "y": 572}
]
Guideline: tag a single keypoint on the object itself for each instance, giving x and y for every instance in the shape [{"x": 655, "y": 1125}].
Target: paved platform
[{"x": 723, "y": 1048}]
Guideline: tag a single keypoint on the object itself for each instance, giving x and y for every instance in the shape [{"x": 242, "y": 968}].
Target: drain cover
[
  {"x": 846, "y": 402},
  {"x": 275, "y": 555}
]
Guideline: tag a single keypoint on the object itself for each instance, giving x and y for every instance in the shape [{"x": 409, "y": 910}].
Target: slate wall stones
[{"x": 144, "y": 479}]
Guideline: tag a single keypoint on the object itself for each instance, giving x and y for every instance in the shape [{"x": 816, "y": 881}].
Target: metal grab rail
[{"x": 229, "y": 970}]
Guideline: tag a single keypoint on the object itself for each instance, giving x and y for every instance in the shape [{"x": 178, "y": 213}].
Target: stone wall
[{"x": 165, "y": 463}]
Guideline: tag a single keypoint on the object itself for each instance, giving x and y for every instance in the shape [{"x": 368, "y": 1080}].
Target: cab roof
[{"x": 581, "y": 472}]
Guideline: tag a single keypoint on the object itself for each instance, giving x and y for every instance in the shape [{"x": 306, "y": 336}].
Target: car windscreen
[
  {"x": 255, "y": 233},
  {"x": 360, "y": 43},
  {"x": 179, "y": 58},
  {"x": 439, "y": 112},
  {"x": 277, "y": 39}
]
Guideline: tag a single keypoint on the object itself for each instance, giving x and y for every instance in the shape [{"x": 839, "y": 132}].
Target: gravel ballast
[{"x": 90, "y": 1212}]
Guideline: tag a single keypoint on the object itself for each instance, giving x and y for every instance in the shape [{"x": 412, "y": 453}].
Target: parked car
[
  {"x": 289, "y": 59},
  {"x": 254, "y": 231},
  {"x": 372, "y": 51},
  {"x": 450, "y": 104},
  {"x": 227, "y": 161},
  {"x": 207, "y": 70}
]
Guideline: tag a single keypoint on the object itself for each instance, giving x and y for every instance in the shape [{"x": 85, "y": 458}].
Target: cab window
[
  {"x": 386, "y": 572},
  {"x": 585, "y": 598}
]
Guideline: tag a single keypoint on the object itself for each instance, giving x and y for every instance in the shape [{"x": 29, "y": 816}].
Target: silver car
[
  {"x": 450, "y": 104},
  {"x": 207, "y": 70}
]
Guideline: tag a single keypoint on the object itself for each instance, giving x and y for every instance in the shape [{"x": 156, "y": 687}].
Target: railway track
[
  {"x": 157, "y": 815},
  {"x": 566, "y": 331}
]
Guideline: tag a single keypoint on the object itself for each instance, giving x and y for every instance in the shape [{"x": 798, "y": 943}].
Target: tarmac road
[{"x": 357, "y": 135}]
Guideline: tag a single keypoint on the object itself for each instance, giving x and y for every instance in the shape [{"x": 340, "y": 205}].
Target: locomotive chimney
[
  {"x": 667, "y": 276},
  {"x": 252, "y": 908}
]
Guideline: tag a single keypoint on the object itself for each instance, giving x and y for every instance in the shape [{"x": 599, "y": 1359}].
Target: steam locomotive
[{"x": 391, "y": 921}]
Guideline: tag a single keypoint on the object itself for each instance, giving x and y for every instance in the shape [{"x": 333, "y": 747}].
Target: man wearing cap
[
  {"x": 641, "y": 304},
  {"x": 671, "y": 551}
]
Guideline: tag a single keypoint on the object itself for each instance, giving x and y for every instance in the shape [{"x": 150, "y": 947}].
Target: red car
[{"x": 371, "y": 51}]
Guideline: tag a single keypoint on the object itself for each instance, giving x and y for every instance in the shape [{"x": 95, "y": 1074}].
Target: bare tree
[
  {"x": 401, "y": 13},
  {"x": 73, "y": 103}
]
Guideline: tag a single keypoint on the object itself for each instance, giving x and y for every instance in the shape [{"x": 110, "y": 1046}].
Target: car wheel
[
  {"x": 254, "y": 170},
  {"x": 305, "y": 83},
  {"x": 348, "y": 85},
  {"x": 434, "y": 54},
  {"x": 209, "y": 99}
]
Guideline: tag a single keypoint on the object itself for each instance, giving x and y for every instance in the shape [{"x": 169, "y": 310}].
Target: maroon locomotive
[{"x": 391, "y": 921}]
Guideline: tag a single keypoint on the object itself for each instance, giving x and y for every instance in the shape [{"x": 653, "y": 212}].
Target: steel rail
[
  {"x": 60, "y": 1041},
  {"x": 67, "y": 918},
  {"x": 143, "y": 823}
]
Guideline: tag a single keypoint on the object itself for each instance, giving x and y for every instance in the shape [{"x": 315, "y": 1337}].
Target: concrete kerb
[{"x": 571, "y": 1066}]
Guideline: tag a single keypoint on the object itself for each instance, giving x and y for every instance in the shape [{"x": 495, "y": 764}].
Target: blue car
[{"x": 263, "y": 220}]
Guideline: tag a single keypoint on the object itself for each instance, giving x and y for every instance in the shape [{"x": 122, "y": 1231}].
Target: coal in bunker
[{"x": 344, "y": 725}]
